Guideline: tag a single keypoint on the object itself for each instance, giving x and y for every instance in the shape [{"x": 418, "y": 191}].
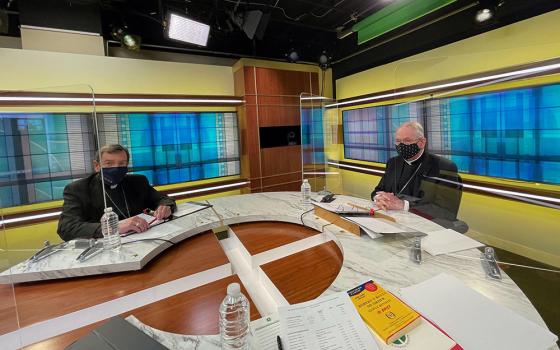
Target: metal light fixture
[
  {"x": 487, "y": 10},
  {"x": 186, "y": 30},
  {"x": 324, "y": 60},
  {"x": 292, "y": 56},
  {"x": 127, "y": 40},
  {"x": 484, "y": 15}
]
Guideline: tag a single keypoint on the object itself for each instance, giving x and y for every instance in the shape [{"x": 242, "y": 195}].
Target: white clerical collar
[
  {"x": 113, "y": 186},
  {"x": 409, "y": 162}
]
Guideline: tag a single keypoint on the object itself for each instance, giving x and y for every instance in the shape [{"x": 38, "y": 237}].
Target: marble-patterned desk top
[{"x": 383, "y": 260}]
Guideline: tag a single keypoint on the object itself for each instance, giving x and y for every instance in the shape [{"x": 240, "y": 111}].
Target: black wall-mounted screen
[{"x": 279, "y": 136}]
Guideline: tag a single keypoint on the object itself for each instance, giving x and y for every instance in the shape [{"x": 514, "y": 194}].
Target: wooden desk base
[
  {"x": 193, "y": 312},
  {"x": 305, "y": 275},
  {"x": 299, "y": 277}
]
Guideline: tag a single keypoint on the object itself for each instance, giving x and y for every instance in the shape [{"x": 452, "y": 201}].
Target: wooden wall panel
[
  {"x": 251, "y": 139},
  {"x": 281, "y": 178},
  {"x": 239, "y": 82},
  {"x": 271, "y": 99},
  {"x": 315, "y": 88},
  {"x": 249, "y": 75},
  {"x": 280, "y": 160},
  {"x": 292, "y": 186},
  {"x": 279, "y": 115}
]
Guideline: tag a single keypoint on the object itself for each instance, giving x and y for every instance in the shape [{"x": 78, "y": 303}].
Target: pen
[
  {"x": 149, "y": 211},
  {"x": 152, "y": 221},
  {"x": 357, "y": 206},
  {"x": 279, "y": 341},
  {"x": 371, "y": 211}
]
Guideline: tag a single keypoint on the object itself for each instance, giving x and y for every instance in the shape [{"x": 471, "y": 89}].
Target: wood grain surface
[
  {"x": 307, "y": 274},
  {"x": 194, "y": 312},
  {"x": 39, "y": 301},
  {"x": 258, "y": 237}
]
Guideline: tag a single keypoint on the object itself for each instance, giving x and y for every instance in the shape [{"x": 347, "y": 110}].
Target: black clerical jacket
[
  {"x": 436, "y": 197},
  {"x": 83, "y": 204}
]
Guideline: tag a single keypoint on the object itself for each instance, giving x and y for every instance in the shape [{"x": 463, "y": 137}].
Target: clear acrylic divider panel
[
  {"x": 499, "y": 181},
  {"x": 47, "y": 140},
  {"x": 321, "y": 143}
]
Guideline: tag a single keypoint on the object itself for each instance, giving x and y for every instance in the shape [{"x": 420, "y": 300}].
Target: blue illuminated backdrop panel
[
  {"x": 509, "y": 134},
  {"x": 312, "y": 136},
  {"x": 41, "y": 153}
]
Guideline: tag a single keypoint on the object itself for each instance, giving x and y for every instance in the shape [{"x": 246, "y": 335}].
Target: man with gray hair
[
  {"x": 128, "y": 195},
  {"x": 418, "y": 179}
]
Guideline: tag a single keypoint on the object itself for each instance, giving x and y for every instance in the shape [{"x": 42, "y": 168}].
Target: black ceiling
[{"x": 308, "y": 26}]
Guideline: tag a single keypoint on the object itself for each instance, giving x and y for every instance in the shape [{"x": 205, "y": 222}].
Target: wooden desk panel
[
  {"x": 39, "y": 301},
  {"x": 193, "y": 312},
  {"x": 305, "y": 275},
  {"x": 258, "y": 237},
  {"x": 8, "y": 316}
]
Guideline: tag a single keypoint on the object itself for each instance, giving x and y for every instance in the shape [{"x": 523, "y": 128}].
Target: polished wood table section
[
  {"x": 8, "y": 314},
  {"x": 39, "y": 301},
  {"x": 258, "y": 237},
  {"x": 300, "y": 277},
  {"x": 305, "y": 275},
  {"x": 193, "y": 312},
  {"x": 284, "y": 265}
]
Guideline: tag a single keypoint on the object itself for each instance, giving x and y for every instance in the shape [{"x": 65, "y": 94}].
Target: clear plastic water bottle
[
  {"x": 306, "y": 193},
  {"x": 110, "y": 230},
  {"x": 234, "y": 319}
]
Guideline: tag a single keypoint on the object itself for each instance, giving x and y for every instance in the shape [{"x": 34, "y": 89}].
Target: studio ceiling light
[
  {"x": 127, "y": 40},
  {"x": 187, "y": 30},
  {"x": 488, "y": 10},
  {"x": 484, "y": 15}
]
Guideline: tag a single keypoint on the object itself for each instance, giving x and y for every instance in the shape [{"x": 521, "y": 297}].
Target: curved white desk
[{"x": 386, "y": 262}]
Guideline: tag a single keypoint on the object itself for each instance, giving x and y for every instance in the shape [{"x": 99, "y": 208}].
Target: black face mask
[
  {"x": 407, "y": 151},
  {"x": 114, "y": 175}
]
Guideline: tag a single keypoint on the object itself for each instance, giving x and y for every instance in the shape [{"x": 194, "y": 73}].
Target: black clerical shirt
[
  {"x": 83, "y": 204},
  {"x": 407, "y": 175}
]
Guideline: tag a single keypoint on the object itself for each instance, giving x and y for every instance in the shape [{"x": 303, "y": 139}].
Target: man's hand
[
  {"x": 162, "y": 212},
  {"x": 388, "y": 201},
  {"x": 133, "y": 224}
]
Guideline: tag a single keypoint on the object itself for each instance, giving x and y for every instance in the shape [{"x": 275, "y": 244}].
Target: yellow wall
[
  {"x": 66, "y": 72},
  {"x": 58, "y": 41},
  {"x": 532, "y": 40},
  {"x": 528, "y": 230}
]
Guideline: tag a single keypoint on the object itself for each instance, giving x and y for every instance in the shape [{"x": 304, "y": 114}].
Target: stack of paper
[
  {"x": 158, "y": 231},
  {"x": 341, "y": 208},
  {"x": 471, "y": 319},
  {"x": 447, "y": 241},
  {"x": 330, "y": 322},
  {"x": 150, "y": 219},
  {"x": 264, "y": 331},
  {"x": 372, "y": 226}
]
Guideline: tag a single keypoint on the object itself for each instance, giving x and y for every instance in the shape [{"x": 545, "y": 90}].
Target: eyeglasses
[
  {"x": 407, "y": 141},
  {"x": 110, "y": 164}
]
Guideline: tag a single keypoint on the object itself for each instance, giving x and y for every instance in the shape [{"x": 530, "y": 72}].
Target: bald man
[{"x": 409, "y": 177}]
